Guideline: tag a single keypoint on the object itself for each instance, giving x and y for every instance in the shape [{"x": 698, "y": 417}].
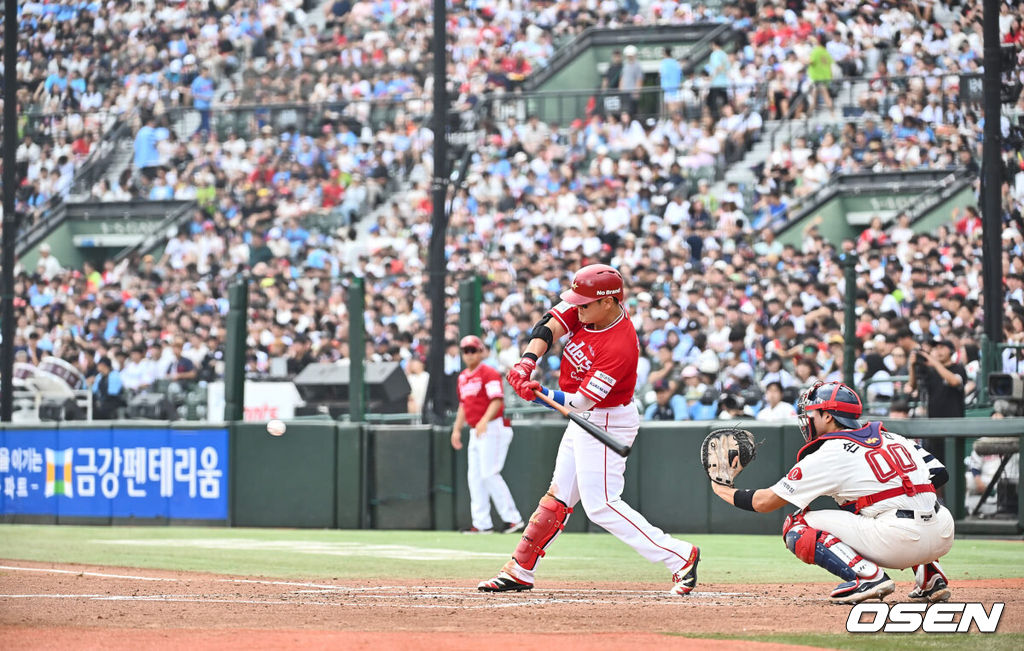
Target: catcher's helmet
[
  {"x": 594, "y": 282},
  {"x": 835, "y": 398}
]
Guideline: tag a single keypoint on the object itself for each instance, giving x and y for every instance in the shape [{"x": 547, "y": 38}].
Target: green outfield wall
[{"x": 325, "y": 474}]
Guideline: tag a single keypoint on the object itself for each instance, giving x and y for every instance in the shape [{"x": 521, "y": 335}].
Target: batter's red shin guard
[{"x": 546, "y": 522}]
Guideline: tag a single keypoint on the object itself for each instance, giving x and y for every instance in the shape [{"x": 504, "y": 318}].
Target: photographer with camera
[{"x": 936, "y": 376}]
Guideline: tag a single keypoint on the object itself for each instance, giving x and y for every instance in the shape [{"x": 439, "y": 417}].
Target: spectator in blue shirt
[
  {"x": 671, "y": 74},
  {"x": 202, "y": 98},
  {"x": 77, "y": 85},
  {"x": 718, "y": 68},
  {"x": 147, "y": 157},
  {"x": 667, "y": 404},
  {"x": 57, "y": 79}
]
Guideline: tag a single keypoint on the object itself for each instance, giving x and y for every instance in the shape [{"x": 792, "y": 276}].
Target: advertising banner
[
  {"x": 120, "y": 473},
  {"x": 263, "y": 401}
]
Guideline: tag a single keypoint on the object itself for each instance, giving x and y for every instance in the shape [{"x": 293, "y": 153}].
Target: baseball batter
[
  {"x": 481, "y": 404},
  {"x": 598, "y": 378},
  {"x": 885, "y": 486}
]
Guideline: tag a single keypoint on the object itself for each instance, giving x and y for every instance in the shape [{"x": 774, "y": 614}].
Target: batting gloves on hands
[
  {"x": 526, "y": 390},
  {"x": 519, "y": 375}
]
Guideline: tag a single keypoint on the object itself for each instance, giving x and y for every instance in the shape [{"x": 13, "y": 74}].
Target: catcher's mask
[{"x": 834, "y": 398}]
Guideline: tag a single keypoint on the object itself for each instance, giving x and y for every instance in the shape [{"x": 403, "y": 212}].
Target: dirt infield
[{"x": 77, "y": 606}]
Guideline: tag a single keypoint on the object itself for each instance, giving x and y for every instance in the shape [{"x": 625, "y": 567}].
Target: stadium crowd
[
  {"x": 732, "y": 322},
  {"x": 85, "y": 67}
]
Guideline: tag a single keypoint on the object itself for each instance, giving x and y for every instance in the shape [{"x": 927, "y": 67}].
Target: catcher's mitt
[{"x": 726, "y": 452}]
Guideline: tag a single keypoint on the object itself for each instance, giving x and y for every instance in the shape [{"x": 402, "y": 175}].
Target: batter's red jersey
[
  {"x": 600, "y": 364},
  {"x": 476, "y": 390}
]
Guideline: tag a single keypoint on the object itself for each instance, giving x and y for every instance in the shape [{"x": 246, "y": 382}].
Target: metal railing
[
  {"x": 623, "y": 36},
  {"x": 928, "y": 200},
  {"x": 306, "y": 118},
  {"x": 92, "y": 168},
  {"x": 158, "y": 234},
  {"x": 563, "y": 106},
  {"x": 881, "y": 407},
  {"x": 957, "y": 88},
  {"x": 96, "y": 166},
  {"x": 788, "y": 122},
  {"x": 896, "y": 181},
  {"x": 884, "y": 89},
  {"x": 512, "y": 413}
]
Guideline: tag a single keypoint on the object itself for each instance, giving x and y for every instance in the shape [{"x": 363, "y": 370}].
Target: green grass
[
  {"x": 883, "y": 642},
  {"x": 724, "y": 558}
]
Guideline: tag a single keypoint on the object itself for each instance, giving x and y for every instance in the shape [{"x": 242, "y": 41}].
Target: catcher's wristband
[{"x": 743, "y": 499}]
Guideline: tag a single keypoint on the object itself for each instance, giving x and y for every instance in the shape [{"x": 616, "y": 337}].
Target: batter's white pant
[
  {"x": 889, "y": 541},
  {"x": 586, "y": 470},
  {"x": 486, "y": 459}
]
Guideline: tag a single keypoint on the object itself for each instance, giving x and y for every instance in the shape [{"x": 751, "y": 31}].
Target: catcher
[{"x": 884, "y": 484}]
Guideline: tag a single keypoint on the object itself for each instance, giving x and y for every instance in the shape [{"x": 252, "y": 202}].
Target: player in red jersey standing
[
  {"x": 481, "y": 404},
  {"x": 598, "y": 378}
]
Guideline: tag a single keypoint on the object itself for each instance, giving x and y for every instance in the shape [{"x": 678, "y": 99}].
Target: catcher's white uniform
[{"x": 869, "y": 472}]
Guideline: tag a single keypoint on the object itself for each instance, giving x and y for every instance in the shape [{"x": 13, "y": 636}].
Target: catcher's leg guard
[
  {"x": 546, "y": 522},
  {"x": 821, "y": 548},
  {"x": 924, "y": 574},
  {"x": 931, "y": 583}
]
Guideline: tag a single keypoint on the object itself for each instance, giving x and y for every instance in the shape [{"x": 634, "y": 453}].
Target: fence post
[
  {"x": 470, "y": 296},
  {"x": 234, "y": 352},
  {"x": 356, "y": 349},
  {"x": 849, "y": 264},
  {"x": 987, "y": 354}
]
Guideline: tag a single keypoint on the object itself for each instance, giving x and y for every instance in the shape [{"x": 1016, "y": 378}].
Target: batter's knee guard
[
  {"x": 546, "y": 522},
  {"x": 821, "y": 548}
]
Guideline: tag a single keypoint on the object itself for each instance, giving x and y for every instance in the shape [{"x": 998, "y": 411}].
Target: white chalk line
[
  {"x": 324, "y": 548},
  {"x": 15, "y": 568},
  {"x": 517, "y": 603}
]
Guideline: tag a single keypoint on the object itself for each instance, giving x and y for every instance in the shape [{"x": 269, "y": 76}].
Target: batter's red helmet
[
  {"x": 593, "y": 282},
  {"x": 835, "y": 398}
]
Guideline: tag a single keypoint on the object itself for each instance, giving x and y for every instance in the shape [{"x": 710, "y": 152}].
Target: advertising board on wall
[{"x": 120, "y": 473}]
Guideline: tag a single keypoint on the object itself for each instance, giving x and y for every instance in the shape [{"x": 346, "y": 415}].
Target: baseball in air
[{"x": 276, "y": 427}]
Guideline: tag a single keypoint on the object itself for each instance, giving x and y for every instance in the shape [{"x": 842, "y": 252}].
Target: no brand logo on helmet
[
  {"x": 606, "y": 292},
  {"x": 934, "y": 618}
]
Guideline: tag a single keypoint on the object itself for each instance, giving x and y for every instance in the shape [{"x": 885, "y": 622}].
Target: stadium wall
[{"x": 325, "y": 474}]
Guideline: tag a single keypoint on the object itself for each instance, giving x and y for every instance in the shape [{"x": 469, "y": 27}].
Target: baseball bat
[{"x": 588, "y": 427}]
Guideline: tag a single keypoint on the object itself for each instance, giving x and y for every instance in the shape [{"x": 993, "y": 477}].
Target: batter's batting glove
[
  {"x": 521, "y": 373},
  {"x": 527, "y": 388}
]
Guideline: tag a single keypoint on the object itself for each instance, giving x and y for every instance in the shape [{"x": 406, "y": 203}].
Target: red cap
[{"x": 472, "y": 341}]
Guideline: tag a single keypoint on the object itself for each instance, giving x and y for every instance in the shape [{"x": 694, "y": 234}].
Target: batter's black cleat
[
  {"x": 685, "y": 580},
  {"x": 854, "y": 592},
  {"x": 503, "y": 583}
]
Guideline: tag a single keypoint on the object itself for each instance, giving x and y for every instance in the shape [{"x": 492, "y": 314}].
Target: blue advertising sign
[{"x": 121, "y": 473}]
